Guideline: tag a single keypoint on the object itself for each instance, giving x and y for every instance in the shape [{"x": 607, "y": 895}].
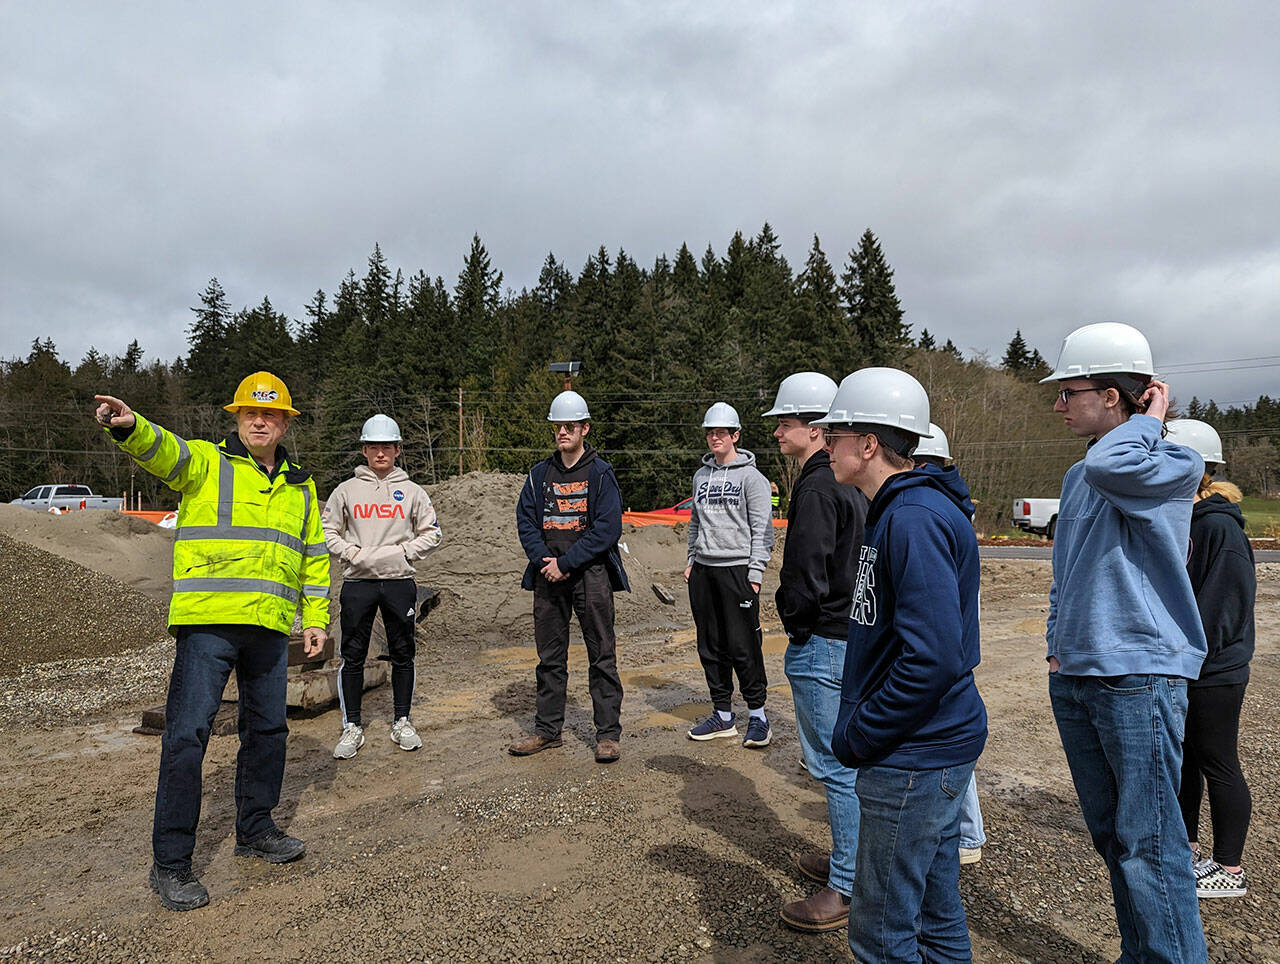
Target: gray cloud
[{"x": 1025, "y": 166}]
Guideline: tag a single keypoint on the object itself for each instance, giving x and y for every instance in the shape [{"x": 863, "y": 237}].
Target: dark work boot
[
  {"x": 274, "y": 846},
  {"x": 178, "y": 889},
  {"x": 827, "y": 910}
]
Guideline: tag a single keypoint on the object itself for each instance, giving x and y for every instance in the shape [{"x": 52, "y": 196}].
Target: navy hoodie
[
  {"x": 909, "y": 698},
  {"x": 1225, "y": 582}
]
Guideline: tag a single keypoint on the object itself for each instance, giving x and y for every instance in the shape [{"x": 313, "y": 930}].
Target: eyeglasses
[
  {"x": 1064, "y": 395},
  {"x": 829, "y": 436},
  {"x": 566, "y": 427}
]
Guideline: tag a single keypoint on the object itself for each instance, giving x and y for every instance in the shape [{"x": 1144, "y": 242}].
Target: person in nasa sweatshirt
[{"x": 378, "y": 524}]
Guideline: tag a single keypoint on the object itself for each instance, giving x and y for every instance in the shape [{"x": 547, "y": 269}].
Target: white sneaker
[
  {"x": 404, "y": 735},
  {"x": 352, "y": 740},
  {"x": 970, "y": 855},
  {"x": 1216, "y": 881}
]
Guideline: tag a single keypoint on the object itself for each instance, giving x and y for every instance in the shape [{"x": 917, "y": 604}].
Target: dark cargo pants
[{"x": 588, "y": 594}]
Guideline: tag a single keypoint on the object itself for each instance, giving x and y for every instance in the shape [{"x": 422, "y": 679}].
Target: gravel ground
[{"x": 459, "y": 852}]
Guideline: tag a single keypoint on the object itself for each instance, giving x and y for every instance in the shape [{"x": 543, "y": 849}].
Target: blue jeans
[
  {"x": 1123, "y": 740},
  {"x": 906, "y": 895},
  {"x": 205, "y": 658},
  {"x": 972, "y": 833},
  {"x": 816, "y": 670}
]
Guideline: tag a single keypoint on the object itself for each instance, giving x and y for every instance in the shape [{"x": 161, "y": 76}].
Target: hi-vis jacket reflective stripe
[{"x": 248, "y": 548}]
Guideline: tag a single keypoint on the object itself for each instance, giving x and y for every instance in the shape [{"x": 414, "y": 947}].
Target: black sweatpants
[
  {"x": 362, "y": 599},
  {"x": 589, "y": 594},
  {"x": 726, "y": 612},
  {"x": 1209, "y": 756}
]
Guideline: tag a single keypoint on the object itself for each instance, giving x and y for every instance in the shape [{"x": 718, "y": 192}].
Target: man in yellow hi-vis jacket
[{"x": 249, "y": 549}]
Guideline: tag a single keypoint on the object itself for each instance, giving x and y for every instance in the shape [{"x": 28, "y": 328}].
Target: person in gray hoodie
[
  {"x": 378, "y": 524},
  {"x": 730, "y": 540}
]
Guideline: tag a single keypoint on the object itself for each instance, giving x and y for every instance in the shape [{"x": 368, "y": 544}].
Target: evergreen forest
[{"x": 462, "y": 365}]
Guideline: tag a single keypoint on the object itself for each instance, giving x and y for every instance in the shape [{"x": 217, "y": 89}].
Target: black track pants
[
  {"x": 588, "y": 594},
  {"x": 726, "y": 612},
  {"x": 362, "y": 599},
  {"x": 1209, "y": 756}
]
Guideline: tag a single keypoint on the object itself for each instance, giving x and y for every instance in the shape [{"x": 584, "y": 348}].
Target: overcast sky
[{"x": 1025, "y": 165}]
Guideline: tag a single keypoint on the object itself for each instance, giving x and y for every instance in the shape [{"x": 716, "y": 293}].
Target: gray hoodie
[
  {"x": 732, "y": 519},
  {"x": 379, "y": 527}
]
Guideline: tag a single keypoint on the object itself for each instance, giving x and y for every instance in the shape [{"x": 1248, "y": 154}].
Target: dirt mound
[
  {"x": 55, "y": 609},
  {"x": 132, "y": 550},
  {"x": 479, "y": 564}
]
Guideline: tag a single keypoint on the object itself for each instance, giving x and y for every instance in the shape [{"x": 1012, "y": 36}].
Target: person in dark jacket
[
  {"x": 824, "y": 533},
  {"x": 1225, "y": 582},
  {"x": 911, "y": 720},
  {"x": 569, "y": 518}
]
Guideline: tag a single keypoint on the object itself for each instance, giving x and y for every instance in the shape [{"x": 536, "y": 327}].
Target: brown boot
[
  {"x": 607, "y": 751},
  {"x": 827, "y": 910},
  {"x": 815, "y": 866},
  {"x": 533, "y": 744}
]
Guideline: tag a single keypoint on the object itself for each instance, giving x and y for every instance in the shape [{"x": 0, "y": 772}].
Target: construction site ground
[{"x": 681, "y": 851}]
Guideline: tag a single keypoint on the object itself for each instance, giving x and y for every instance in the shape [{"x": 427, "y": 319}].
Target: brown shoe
[
  {"x": 607, "y": 751},
  {"x": 827, "y": 910},
  {"x": 533, "y": 744},
  {"x": 815, "y": 866}
]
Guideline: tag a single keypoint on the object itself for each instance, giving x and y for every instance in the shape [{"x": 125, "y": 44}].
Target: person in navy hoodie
[
  {"x": 911, "y": 720},
  {"x": 1124, "y": 634},
  {"x": 1225, "y": 581},
  {"x": 569, "y": 518}
]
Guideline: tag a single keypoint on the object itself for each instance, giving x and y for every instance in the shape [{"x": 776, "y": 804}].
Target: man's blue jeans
[
  {"x": 815, "y": 670},
  {"x": 205, "y": 658},
  {"x": 1123, "y": 740},
  {"x": 906, "y": 895}
]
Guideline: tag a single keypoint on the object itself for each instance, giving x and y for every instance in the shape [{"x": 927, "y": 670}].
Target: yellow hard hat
[{"x": 262, "y": 390}]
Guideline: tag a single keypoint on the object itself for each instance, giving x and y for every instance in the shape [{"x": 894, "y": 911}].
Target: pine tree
[
  {"x": 926, "y": 341},
  {"x": 872, "y": 303},
  {"x": 476, "y": 299},
  {"x": 1016, "y": 356},
  {"x": 952, "y": 350},
  {"x": 206, "y": 362}
]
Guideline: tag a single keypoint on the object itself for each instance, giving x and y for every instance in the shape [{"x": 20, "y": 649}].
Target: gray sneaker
[
  {"x": 352, "y": 740},
  {"x": 404, "y": 735}
]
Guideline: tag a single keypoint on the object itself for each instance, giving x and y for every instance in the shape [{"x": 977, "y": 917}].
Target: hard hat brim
[{"x": 234, "y": 407}]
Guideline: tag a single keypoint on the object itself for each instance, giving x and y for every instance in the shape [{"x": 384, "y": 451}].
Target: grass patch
[{"x": 1261, "y": 516}]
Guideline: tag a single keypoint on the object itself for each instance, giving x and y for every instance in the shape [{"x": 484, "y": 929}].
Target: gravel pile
[{"x": 55, "y": 609}]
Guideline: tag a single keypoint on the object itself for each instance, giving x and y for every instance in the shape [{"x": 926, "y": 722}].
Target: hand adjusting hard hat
[
  {"x": 380, "y": 428},
  {"x": 262, "y": 390},
  {"x": 804, "y": 393},
  {"x": 721, "y": 415},
  {"x": 568, "y": 407},
  {"x": 880, "y": 396},
  {"x": 936, "y": 446},
  {"x": 1107, "y": 348},
  {"x": 1198, "y": 436}
]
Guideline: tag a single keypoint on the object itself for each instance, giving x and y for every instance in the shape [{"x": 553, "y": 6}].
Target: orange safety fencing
[{"x": 151, "y": 515}]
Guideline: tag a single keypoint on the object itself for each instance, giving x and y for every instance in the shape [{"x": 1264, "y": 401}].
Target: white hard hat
[
  {"x": 568, "y": 407},
  {"x": 380, "y": 428},
  {"x": 804, "y": 393},
  {"x": 721, "y": 415},
  {"x": 935, "y": 446},
  {"x": 880, "y": 396},
  {"x": 1198, "y": 436},
  {"x": 1107, "y": 348}
]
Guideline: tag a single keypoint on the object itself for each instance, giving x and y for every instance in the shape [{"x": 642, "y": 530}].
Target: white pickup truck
[
  {"x": 1036, "y": 515},
  {"x": 63, "y": 498}
]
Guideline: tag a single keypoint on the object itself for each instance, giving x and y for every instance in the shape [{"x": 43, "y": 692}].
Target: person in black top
[
  {"x": 569, "y": 518},
  {"x": 819, "y": 565},
  {"x": 1221, "y": 568}
]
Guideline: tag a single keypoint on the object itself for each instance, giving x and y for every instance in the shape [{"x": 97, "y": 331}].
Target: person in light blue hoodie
[{"x": 1124, "y": 634}]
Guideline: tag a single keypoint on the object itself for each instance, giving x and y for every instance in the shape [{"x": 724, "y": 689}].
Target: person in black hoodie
[
  {"x": 569, "y": 518},
  {"x": 819, "y": 561},
  {"x": 1221, "y": 568},
  {"x": 911, "y": 720}
]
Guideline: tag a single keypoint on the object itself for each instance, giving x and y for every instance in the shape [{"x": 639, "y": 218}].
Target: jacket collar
[{"x": 233, "y": 445}]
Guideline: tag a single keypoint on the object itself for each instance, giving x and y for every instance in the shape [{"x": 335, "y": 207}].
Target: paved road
[{"x": 1044, "y": 552}]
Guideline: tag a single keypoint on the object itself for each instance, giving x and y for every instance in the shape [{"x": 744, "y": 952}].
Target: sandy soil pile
[{"x": 55, "y": 609}]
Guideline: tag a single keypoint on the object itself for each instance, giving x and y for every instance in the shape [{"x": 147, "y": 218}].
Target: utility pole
[{"x": 459, "y": 429}]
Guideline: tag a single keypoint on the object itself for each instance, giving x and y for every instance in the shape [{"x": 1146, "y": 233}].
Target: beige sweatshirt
[{"x": 379, "y": 527}]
